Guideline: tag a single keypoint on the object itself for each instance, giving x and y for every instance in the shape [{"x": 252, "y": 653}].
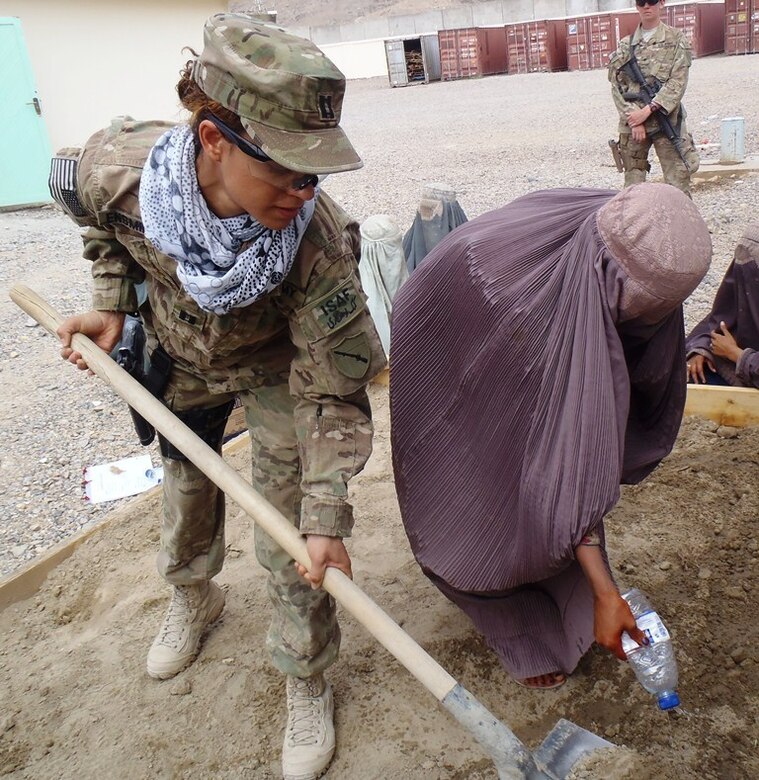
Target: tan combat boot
[
  {"x": 192, "y": 608},
  {"x": 310, "y": 733}
]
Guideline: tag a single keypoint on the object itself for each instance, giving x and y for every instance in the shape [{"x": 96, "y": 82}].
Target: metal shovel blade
[{"x": 564, "y": 746}]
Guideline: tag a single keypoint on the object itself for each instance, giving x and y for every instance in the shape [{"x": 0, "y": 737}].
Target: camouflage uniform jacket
[
  {"x": 665, "y": 56},
  {"x": 314, "y": 329}
]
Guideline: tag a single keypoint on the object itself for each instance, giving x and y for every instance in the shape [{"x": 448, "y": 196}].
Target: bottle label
[{"x": 651, "y": 625}]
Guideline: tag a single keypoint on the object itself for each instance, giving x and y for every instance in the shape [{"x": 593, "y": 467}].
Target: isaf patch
[
  {"x": 352, "y": 356},
  {"x": 333, "y": 311}
]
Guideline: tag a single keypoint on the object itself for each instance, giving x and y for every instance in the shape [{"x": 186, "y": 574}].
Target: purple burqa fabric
[
  {"x": 737, "y": 305},
  {"x": 531, "y": 373}
]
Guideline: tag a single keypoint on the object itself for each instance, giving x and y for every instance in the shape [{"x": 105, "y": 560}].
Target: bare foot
[{"x": 550, "y": 680}]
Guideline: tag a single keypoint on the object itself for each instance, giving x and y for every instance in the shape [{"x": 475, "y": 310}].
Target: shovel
[{"x": 565, "y": 744}]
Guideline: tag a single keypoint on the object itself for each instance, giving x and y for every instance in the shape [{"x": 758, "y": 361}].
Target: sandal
[{"x": 559, "y": 679}]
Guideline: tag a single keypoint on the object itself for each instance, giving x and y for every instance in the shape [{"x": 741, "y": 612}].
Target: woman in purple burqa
[
  {"x": 723, "y": 347},
  {"x": 537, "y": 363}
]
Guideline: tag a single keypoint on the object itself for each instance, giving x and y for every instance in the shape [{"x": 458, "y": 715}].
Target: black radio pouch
[
  {"x": 208, "y": 424},
  {"x": 131, "y": 356}
]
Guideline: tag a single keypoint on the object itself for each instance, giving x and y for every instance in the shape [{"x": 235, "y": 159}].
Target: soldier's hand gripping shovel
[{"x": 565, "y": 743}]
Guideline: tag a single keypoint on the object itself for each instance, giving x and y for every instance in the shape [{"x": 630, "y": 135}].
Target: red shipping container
[
  {"x": 472, "y": 51},
  {"x": 458, "y": 54},
  {"x": 742, "y": 27},
  {"x": 537, "y": 46},
  {"x": 493, "y": 50},
  {"x": 593, "y": 38},
  {"x": 701, "y": 23},
  {"x": 627, "y": 22}
]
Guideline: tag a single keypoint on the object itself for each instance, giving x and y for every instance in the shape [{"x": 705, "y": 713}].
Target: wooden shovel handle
[{"x": 345, "y": 591}]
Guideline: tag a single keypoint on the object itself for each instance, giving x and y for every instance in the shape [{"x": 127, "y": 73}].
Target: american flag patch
[{"x": 62, "y": 184}]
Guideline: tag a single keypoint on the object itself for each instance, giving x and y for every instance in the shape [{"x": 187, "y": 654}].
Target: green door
[{"x": 24, "y": 145}]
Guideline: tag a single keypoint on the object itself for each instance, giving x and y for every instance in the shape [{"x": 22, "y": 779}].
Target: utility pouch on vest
[{"x": 209, "y": 424}]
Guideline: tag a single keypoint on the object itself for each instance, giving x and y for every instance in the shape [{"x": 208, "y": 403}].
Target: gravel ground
[{"x": 491, "y": 140}]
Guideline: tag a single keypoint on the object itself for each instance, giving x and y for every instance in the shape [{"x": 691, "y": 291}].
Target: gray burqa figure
[{"x": 438, "y": 214}]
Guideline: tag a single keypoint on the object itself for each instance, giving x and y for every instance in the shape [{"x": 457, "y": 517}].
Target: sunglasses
[
  {"x": 641, "y": 3},
  {"x": 284, "y": 181}
]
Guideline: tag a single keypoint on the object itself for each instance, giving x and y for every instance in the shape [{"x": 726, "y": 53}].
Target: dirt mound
[{"x": 77, "y": 701}]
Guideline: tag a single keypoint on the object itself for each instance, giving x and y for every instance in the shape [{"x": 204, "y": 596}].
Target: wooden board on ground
[
  {"x": 25, "y": 582},
  {"x": 737, "y": 407},
  {"x": 713, "y": 169}
]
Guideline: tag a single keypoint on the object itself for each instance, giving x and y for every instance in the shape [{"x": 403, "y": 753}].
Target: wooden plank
[
  {"x": 734, "y": 406},
  {"x": 25, "y": 582},
  {"x": 712, "y": 169}
]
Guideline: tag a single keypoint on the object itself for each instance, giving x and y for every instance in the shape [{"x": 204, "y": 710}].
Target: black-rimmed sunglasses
[
  {"x": 257, "y": 153},
  {"x": 641, "y": 3}
]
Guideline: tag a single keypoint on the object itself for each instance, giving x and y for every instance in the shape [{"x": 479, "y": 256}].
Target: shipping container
[
  {"x": 493, "y": 51},
  {"x": 537, "y": 46},
  {"x": 472, "y": 51},
  {"x": 742, "y": 27},
  {"x": 414, "y": 60},
  {"x": 593, "y": 38},
  {"x": 702, "y": 23}
]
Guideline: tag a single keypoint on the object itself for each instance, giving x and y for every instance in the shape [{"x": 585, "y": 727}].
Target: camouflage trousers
[
  {"x": 635, "y": 158},
  {"x": 304, "y": 637}
]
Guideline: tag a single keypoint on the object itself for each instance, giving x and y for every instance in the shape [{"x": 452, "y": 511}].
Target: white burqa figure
[{"x": 382, "y": 270}]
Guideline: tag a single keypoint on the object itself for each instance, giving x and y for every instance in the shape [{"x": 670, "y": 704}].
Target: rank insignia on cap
[{"x": 326, "y": 112}]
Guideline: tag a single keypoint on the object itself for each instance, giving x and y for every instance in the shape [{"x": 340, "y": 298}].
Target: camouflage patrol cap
[{"x": 287, "y": 93}]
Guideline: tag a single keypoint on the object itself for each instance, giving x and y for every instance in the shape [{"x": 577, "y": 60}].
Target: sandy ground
[{"x": 76, "y": 701}]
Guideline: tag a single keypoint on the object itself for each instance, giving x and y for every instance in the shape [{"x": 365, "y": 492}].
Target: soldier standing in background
[
  {"x": 252, "y": 289},
  {"x": 664, "y": 57}
]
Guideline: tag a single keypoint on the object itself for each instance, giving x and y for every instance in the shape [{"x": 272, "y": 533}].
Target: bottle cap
[{"x": 669, "y": 700}]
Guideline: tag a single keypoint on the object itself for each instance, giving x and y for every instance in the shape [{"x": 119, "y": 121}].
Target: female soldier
[{"x": 252, "y": 289}]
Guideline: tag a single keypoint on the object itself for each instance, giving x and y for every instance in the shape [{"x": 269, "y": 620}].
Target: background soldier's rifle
[{"x": 647, "y": 95}]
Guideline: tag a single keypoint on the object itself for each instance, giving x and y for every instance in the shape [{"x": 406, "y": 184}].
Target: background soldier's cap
[{"x": 287, "y": 94}]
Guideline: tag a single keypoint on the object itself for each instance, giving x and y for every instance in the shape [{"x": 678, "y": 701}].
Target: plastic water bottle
[{"x": 654, "y": 664}]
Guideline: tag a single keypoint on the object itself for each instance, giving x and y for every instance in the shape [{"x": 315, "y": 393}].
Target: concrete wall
[
  {"x": 494, "y": 12},
  {"x": 617, "y": 5},
  {"x": 552, "y": 9},
  {"x": 360, "y": 59},
  {"x": 580, "y": 7},
  {"x": 487, "y": 14},
  {"x": 455, "y": 18},
  {"x": 518, "y": 11},
  {"x": 429, "y": 22},
  {"x": 94, "y": 60}
]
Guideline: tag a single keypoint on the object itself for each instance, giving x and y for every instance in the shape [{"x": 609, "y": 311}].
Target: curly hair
[{"x": 192, "y": 97}]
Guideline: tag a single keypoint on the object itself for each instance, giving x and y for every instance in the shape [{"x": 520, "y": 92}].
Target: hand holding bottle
[
  {"x": 612, "y": 617},
  {"x": 611, "y": 614}
]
